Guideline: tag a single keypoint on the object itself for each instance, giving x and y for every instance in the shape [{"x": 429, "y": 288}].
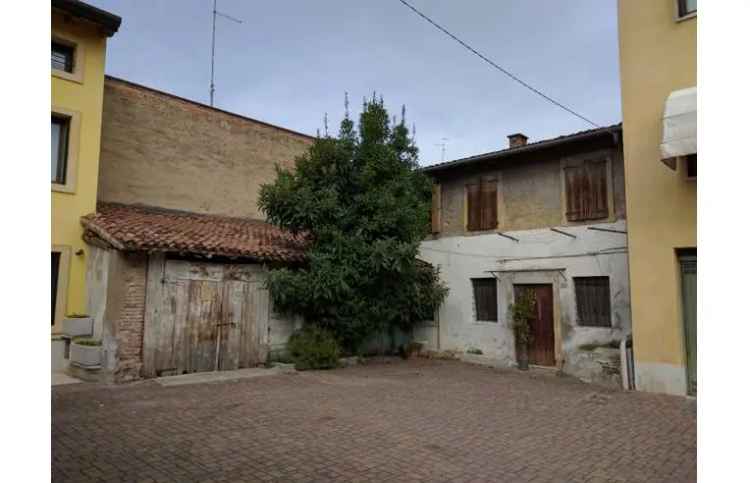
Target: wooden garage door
[{"x": 203, "y": 317}]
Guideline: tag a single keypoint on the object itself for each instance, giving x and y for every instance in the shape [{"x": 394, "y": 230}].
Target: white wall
[{"x": 591, "y": 253}]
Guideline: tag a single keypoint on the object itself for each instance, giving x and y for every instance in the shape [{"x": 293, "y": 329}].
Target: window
[
  {"x": 592, "y": 301},
  {"x": 586, "y": 191},
  {"x": 55, "y": 275},
  {"x": 482, "y": 205},
  {"x": 436, "y": 208},
  {"x": 686, "y": 7},
  {"x": 60, "y": 130},
  {"x": 62, "y": 56},
  {"x": 485, "y": 298},
  {"x": 691, "y": 166}
]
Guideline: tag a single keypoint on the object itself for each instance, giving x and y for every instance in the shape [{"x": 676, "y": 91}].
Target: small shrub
[
  {"x": 313, "y": 348},
  {"x": 475, "y": 351},
  {"x": 87, "y": 341}
]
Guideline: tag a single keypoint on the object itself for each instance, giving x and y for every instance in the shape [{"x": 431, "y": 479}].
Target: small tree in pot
[{"x": 521, "y": 311}]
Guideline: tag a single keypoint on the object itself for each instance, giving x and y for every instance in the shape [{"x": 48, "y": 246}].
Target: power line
[{"x": 493, "y": 64}]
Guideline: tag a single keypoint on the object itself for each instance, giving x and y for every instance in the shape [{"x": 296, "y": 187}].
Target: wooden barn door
[
  {"x": 203, "y": 317},
  {"x": 542, "y": 346}
]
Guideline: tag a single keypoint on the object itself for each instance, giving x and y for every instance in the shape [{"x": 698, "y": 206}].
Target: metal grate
[{"x": 592, "y": 301}]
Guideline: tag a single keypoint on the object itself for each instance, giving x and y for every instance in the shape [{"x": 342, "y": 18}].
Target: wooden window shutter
[
  {"x": 436, "y": 207},
  {"x": 597, "y": 172},
  {"x": 489, "y": 204},
  {"x": 474, "y": 207},
  {"x": 575, "y": 178}
]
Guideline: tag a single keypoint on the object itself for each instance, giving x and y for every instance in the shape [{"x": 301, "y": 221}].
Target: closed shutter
[
  {"x": 474, "y": 207},
  {"x": 436, "y": 208},
  {"x": 586, "y": 191},
  {"x": 489, "y": 204}
]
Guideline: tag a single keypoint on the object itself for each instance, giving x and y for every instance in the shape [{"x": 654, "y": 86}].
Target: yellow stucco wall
[
  {"x": 657, "y": 56},
  {"x": 84, "y": 98}
]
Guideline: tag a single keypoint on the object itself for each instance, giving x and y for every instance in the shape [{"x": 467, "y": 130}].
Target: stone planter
[
  {"x": 77, "y": 326},
  {"x": 86, "y": 356}
]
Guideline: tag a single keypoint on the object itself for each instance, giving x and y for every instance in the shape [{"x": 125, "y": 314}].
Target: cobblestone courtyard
[{"x": 405, "y": 421}]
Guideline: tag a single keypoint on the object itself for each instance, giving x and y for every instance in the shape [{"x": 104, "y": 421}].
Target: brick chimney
[{"x": 517, "y": 139}]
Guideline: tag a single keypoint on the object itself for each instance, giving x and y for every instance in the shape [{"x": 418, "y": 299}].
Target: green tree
[{"x": 365, "y": 208}]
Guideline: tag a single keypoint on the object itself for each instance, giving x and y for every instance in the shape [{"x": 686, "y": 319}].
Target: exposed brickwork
[
  {"x": 429, "y": 421},
  {"x": 130, "y": 319},
  {"x": 160, "y": 150}
]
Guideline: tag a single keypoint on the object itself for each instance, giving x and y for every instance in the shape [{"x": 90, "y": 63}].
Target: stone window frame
[
  {"x": 78, "y": 59},
  {"x": 74, "y": 135},
  {"x": 578, "y": 160},
  {"x": 63, "y": 278}
]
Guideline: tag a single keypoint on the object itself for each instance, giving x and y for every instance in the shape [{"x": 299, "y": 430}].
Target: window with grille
[
  {"x": 60, "y": 130},
  {"x": 592, "y": 301},
  {"x": 485, "y": 298},
  {"x": 586, "y": 191},
  {"x": 686, "y": 7},
  {"x": 482, "y": 205},
  {"x": 62, "y": 56}
]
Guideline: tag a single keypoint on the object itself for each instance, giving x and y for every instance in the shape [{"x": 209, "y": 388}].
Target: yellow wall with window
[
  {"x": 657, "y": 56},
  {"x": 78, "y": 96}
]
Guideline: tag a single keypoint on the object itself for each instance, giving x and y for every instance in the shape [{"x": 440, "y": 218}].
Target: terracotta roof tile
[{"x": 135, "y": 227}]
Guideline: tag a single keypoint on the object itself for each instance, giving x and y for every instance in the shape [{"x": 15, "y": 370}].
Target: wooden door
[
  {"x": 203, "y": 317},
  {"x": 542, "y": 345}
]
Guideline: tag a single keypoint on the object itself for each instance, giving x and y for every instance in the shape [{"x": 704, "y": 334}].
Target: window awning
[{"x": 680, "y": 126}]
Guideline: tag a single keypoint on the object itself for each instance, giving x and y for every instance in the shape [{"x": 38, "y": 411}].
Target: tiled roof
[
  {"x": 143, "y": 228},
  {"x": 545, "y": 143}
]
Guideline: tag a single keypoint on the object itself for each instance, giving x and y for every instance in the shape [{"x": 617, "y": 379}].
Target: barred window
[
  {"x": 592, "y": 301},
  {"x": 485, "y": 298}
]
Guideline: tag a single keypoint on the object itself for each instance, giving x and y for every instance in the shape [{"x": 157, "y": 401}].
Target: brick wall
[
  {"x": 161, "y": 150},
  {"x": 129, "y": 318}
]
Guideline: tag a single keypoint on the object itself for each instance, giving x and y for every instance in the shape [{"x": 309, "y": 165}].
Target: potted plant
[
  {"x": 75, "y": 325},
  {"x": 86, "y": 352},
  {"x": 521, "y": 311}
]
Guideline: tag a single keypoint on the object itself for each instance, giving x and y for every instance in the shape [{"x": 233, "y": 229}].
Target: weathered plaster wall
[
  {"x": 164, "y": 151},
  {"x": 592, "y": 253},
  {"x": 530, "y": 188}
]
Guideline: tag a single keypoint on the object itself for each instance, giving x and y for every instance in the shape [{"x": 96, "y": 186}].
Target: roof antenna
[
  {"x": 443, "y": 143},
  {"x": 213, "y": 45}
]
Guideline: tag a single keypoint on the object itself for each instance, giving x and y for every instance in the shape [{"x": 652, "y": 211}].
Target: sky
[{"x": 290, "y": 62}]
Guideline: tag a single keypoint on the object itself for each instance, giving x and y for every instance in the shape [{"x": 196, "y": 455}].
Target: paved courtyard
[{"x": 404, "y": 421}]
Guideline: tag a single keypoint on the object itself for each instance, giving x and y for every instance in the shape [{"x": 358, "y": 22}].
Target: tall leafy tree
[{"x": 365, "y": 208}]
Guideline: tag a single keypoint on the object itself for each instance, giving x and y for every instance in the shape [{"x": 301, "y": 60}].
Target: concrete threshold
[
  {"x": 59, "y": 378},
  {"x": 221, "y": 376}
]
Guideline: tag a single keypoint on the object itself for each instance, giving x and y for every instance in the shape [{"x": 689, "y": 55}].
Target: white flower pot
[
  {"x": 88, "y": 356},
  {"x": 75, "y": 326}
]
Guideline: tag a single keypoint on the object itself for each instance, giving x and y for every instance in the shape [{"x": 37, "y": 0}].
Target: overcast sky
[{"x": 291, "y": 61}]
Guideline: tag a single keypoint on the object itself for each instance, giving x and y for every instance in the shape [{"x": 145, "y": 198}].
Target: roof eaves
[
  {"x": 109, "y": 22},
  {"x": 543, "y": 144}
]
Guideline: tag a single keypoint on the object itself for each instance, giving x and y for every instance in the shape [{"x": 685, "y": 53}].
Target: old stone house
[
  {"x": 547, "y": 216},
  {"x": 179, "y": 248}
]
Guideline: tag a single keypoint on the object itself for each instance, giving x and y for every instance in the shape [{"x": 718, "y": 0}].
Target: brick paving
[{"x": 404, "y": 421}]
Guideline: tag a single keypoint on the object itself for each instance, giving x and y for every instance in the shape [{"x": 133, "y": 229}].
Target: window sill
[
  {"x": 686, "y": 17},
  {"x": 63, "y": 188},
  {"x": 70, "y": 76}
]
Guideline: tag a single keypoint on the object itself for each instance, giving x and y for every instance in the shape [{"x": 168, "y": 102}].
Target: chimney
[{"x": 516, "y": 140}]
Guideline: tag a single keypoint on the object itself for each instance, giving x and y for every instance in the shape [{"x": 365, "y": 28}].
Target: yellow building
[
  {"x": 79, "y": 42},
  {"x": 658, "y": 73}
]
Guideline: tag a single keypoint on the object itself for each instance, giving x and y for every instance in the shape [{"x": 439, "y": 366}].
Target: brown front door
[{"x": 542, "y": 345}]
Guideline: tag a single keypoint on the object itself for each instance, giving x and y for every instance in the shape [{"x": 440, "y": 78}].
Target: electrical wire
[{"x": 496, "y": 66}]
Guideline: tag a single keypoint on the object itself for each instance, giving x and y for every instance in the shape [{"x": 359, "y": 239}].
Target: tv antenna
[
  {"x": 442, "y": 144},
  {"x": 213, "y": 45}
]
